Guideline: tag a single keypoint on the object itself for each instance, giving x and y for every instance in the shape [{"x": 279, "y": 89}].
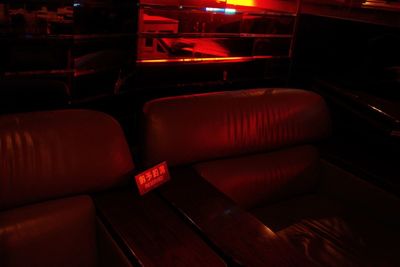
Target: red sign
[{"x": 152, "y": 178}]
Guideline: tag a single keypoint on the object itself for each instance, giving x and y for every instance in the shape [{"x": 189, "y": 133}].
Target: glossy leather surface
[
  {"x": 264, "y": 178},
  {"x": 54, "y": 233},
  {"x": 189, "y": 129},
  {"x": 51, "y": 154},
  {"x": 253, "y": 146}
]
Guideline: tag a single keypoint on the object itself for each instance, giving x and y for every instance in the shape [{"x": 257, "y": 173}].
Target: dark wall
[
  {"x": 348, "y": 51},
  {"x": 355, "y": 65}
]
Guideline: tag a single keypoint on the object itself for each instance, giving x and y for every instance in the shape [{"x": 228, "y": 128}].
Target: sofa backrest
[
  {"x": 45, "y": 155},
  {"x": 189, "y": 129},
  {"x": 46, "y": 160}
]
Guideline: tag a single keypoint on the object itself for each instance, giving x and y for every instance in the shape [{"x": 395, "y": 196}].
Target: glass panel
[
  {"x": 172, "y": 48},
  {"x": 200, "y": 21},
  {"x": 214, "y": 29},
  {"x": 105, "y": 16},
  {"x": 37, "y": 17},
  {"x": 371, "y": 11}
]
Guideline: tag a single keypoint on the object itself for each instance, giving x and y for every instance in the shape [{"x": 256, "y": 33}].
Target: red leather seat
[
  {"x": 257, "y": 146},
  {"x": 49, "y": 161}
]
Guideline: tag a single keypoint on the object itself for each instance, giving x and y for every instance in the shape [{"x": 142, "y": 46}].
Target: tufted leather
[
  {"x": 188, "y": 129},
  {"x": 55, "y": 233},
  {"x": 264, "y": 178},
  {"x": 51, "y": 154}
]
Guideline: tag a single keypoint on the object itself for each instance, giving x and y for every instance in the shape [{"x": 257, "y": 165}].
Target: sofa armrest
[
  {"x": 240, "y": 237},
  {"x": 150, "y": 233},
  {"x": 359, "y": 195}
]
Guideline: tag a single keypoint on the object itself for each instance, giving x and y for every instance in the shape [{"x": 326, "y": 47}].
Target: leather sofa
[
  {"x": 49, "y": 162},
  {"x": 260, "y": 148}
]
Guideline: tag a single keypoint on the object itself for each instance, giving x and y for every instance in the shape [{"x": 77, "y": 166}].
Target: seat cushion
[
  {"x": 54, "y": 233},
  {"x": 189, "y": 129},
  {"x": 330, "y": 234},
  {"x": 52, "y": 154},
  {"x": 262, "y": 179}
]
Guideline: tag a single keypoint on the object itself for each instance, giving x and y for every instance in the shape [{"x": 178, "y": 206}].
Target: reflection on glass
[
  {"x": 104, "y": 16},
  {"x": 37, "y": 17},
  {"x": 169, "y": 48},
  {"x": 213, "y": 29}
]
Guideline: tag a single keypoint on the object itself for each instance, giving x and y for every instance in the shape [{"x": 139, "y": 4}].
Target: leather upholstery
[
  {"x": 254, "y": 146},
  {"x": 55, "y": 233},
  {"x": 264, "y": 178},
  {"x": 189, "y": 129},
  {"x": 48, "y": 155},
  {"x": 51, "y": 154}
]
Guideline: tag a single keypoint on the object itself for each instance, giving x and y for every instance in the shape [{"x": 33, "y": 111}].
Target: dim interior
[{"x": 199, "y": 132}]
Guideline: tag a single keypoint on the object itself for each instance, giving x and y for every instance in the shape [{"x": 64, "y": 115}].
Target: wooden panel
[
  {"x": 151, "y": 233},
  {"x": 241, "y": 237}
]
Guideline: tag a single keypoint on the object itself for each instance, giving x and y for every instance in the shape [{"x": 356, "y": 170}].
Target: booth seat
[
  {"x": 49, "y": 162},
  {"x": 259, "y": 147}
]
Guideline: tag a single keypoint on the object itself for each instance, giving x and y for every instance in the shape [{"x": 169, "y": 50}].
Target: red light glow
[
  {"x": 241, "y": 2},
  {"x": 281, "y": 6},
  {"x": 187, "y": 59},
  {"x": 213, "y": 59},
  {"x": 152, "y": 178}
]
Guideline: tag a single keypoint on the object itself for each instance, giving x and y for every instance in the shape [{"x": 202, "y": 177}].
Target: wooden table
[
  {"x": 240, "y": 238},
  {"x": 151, "y": 233}
]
